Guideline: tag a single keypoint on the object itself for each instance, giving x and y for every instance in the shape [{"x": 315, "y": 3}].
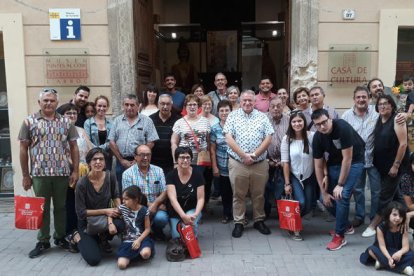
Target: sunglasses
[
  {"x": 295, "y": 112},
  {"x": 49, "y": 90}
]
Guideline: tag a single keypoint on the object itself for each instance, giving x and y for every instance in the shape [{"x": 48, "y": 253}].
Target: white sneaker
[
  {"x": 369, "y": 232},
  {"x": 408, "y": 271},
  {"x": 377, "y": 265}
]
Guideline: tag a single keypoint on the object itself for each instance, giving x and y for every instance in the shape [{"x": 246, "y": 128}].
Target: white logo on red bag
[
  {"x": 27, "y": 206},
  {"x": 287, "y": 212}
]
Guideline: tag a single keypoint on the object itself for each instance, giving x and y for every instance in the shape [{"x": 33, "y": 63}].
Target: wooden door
[{"x": 144, "y": 43}]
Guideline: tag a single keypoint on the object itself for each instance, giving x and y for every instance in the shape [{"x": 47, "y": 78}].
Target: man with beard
[
  {"x": 151, "y": 180},
  {"x": 128, "y": 131},
  {"x": 164, "y": 120},
  {"x": 265, "y": 94},
  {"x": 178, "y": 97},
  {"x": 80, "y": 99},
  {"x": 220, "y": 81}
]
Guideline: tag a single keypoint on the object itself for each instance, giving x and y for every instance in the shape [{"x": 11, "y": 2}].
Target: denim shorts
[{"x": 125, "y": 249}]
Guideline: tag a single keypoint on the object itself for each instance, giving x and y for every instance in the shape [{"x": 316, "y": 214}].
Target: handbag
[
  {"x": 29, "y": 212},
  {"x": 96, "y": 224},
  {"x": 203, "y": 156},
  {"x": 289, "y": 214}
]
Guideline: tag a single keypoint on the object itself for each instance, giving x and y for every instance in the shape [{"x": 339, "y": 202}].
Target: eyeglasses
[
  {"x": 192, "y": 104},
  {"x": 71, "y": 113},
  {"x": 143, "y": 155},
  {"x": 95, "y": 159},
  {"x": 323, "y": 123},
  {"x": 384, "y": 104},
  {"x": 49, "y": 90},
  {"x": 295, "y": 112},
  {"x": 166, "y": 104},
  {"x": 184, "y": 157}
]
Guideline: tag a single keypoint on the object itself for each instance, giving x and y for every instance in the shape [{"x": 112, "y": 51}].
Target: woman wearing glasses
[
  {"x": 297, "y": 162},
  {"x": 390, "y": 156},
  {"x": 191, "y": 131},
  {"x": 185, "y": 190},
  {"x": 71, "y": 111}
]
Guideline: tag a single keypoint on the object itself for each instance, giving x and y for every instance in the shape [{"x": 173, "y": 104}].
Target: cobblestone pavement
[{"x": 252, "y": 254}]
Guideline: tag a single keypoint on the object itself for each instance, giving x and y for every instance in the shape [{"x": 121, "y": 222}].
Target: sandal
[{"x": 73, "y": 240}]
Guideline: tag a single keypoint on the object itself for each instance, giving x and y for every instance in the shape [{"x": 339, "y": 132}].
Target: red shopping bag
[
  {"x": 28, "y": 212},
  {"x": 189, "y": 239},
  {"x": 289, "y": 214}
]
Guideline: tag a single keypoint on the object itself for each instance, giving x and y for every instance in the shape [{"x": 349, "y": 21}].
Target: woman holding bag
[
  {"x": 297, "y": 162},
  {"x": 192, "y": 131},
  {"x": 93, "y": 195},
  {"x": 185, "y": 190}
]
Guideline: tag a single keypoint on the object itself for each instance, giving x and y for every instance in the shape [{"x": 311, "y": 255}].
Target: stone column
[
  {"x": 122, "y": 51},
  {"x": 304, "y": 43}
]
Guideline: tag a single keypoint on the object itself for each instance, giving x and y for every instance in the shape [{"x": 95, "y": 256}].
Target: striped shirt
[
  {"x": 151, "y": 185},
  {"x": 129, "y": 136},
  {"x": 217, "y": 137},
  {"x": 365, "y": 127}
]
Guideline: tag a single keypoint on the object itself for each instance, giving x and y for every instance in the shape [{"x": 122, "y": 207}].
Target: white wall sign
[
  {"x": 348, "y": 14},
  {"x": 65, "y": 24}
]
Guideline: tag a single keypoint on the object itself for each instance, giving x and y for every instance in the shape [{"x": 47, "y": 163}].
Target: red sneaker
[{"x": 336, "y": 243}]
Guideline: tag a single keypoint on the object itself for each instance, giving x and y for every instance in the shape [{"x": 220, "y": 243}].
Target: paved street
[{"x": 252, "y": 254}]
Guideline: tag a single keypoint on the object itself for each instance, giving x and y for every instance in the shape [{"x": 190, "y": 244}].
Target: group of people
[{"x": 174, "y": 152}]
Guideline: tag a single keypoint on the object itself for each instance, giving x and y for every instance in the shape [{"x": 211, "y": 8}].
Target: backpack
[{"x": 176, "y": 250}]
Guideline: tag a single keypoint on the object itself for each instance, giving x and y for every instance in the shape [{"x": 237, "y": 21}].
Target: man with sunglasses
[
  {"x": 80, "y": 99},
  {"x": 41, "y": 134},
  {"x": 341, "y": 147},
  {"x": 151, "y": 180}
]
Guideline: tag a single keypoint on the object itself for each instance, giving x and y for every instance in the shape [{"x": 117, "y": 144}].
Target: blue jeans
[
  {"x": 359, "y": 193},
  {"x": 159, "y": 221},
  {"x": 119, "y": 170},
  {"x": 274, "y": 187},
  {"x": 174, "y": 222},
  {"x": 305, "y": 195},
  {"x": 340, "y": 207}
]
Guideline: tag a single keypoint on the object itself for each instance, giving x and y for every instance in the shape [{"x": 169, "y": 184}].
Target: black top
[
  {"x": 386, "y": 146},
  {"x": 161, "y": 153},
  {"x": 86, "y": 197},
  {"x": 186, "y": 192},
  {"x": 343, "y": 136},
  {"x": 81, "y": 115},
  {"x": 102, "y": 135}
]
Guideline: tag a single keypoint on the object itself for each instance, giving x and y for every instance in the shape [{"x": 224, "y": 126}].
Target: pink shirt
[{"x": 262, "y": 103}]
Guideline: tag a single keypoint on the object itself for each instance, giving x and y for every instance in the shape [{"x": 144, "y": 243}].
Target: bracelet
[
  {"x": 397, "y": 162},
  {"x": 287, "y": 184},
  {"x": 340, "y": 184},
  {"x": 109, "y": 223}
]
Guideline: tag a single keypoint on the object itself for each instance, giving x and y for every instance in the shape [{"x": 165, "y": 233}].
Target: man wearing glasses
[
  {"x": 151, "y": 180},
  {"x": 164, "y": 120},
  {"x": 344, "y": 148},
  {"x": 42, "y": 133}
]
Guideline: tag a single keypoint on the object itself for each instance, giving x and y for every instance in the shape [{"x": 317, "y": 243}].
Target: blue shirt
[
  {"x": 178, "y": 99},
  {"x": 217, "y": 137},
  {"x": 91, "y": 128},
  {"x": 151, "y": 185}
]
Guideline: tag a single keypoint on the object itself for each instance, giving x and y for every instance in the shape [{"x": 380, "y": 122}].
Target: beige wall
[
  {"x": 376, "y": 23},
  {"x": 25, "y": 26}
]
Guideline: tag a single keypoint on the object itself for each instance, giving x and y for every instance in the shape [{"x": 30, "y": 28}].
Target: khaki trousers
[{"x": 248, "y": 180}]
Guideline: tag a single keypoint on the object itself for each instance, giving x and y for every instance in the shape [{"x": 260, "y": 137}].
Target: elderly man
[
  {"x": 345, "y": 164},
  {"x": 280, "y": 124},
  {"x": 248, "y": 134},
  {"x": 42, "y": 133},
  {"x": 265, "y": 94},
  {"x": 151, "y": 180},
  {"x": 80, "y": 99},
  {"x": 363, "y": 117},
  {"x": 220, "y": 81},
  {"x": 164, "y": 121},
  {"x": 130, "y": 130},
  {"x": 317, "y": 98},
  {"x": 178, "y": 97}
]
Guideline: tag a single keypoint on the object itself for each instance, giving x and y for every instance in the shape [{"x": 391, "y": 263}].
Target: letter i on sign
[{"x": 69, "y": 27}]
